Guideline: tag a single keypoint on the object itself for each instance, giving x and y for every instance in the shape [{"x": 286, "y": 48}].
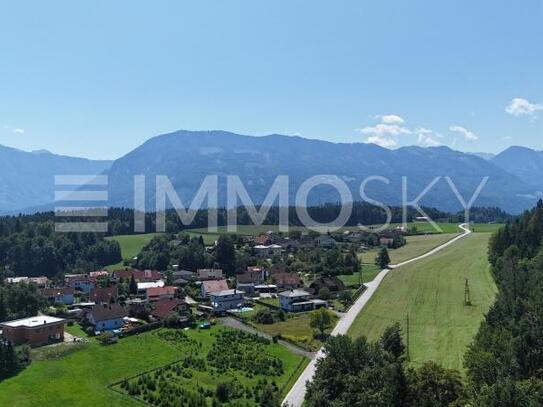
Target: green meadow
[
  {"x": 431, "y": 292},
  {"x": 131, "y": 245},
  {"x": 83, "y": 377}
]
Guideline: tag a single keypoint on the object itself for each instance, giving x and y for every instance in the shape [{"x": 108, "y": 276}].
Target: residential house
[
  {"x": 210, "y": 274},
  {"x": 34, "y": 331},
  {"x": 267, "y": 251},
  {"x": 167, "y": 306},
  {"x": 41, "y": 281},
  {"x": 64, "y": 295},
  {"x": 325, "y": 241},
  {"x": 183, "y": 277},
  {"x": 160, "y": 293},
  {"x": 106, "y": 295},
  {"x": 386, "y": 241},
  {"x": 98, "y": 274},
  {"x": 334, "y": 284},
  {"x": 264, "y": 239},
  {"x": 247, "y": 281},
  {"x": 143, "y": 287},
  {"x": 107, "y": 317},
  {"x": 298, "y": 301},
  {"x": 286, "y": 281},
  {"x": 140, "y": 276},
  {"x": 211, "y": 286},
  {"x": 260, "y": 272},
  {"x": 80, "y": 282},
  {"x": 225, "y": 300}
]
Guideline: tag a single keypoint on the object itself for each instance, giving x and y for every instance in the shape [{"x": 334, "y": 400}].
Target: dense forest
[
  {"x": 29, "y": 246},
  {"x": 504, "y": 363}
]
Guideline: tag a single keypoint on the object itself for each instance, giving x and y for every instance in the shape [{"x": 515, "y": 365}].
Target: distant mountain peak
[{"x": 41, "y": 151}]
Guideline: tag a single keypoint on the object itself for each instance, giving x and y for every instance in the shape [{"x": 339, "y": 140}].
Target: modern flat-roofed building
[
  {"x": 34, "y": 331},
  {"x": 225, "y": 300}
]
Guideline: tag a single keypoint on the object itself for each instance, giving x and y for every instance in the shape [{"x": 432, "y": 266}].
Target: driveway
[{"x": 296, "y": 395}]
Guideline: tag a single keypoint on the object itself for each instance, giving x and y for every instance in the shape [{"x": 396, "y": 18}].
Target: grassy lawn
[
  {"x": 81, "y": 378},
  {"x": 418, "y": 245},
  {"x": 446, "y": 227},
  {"x": 209, "y": 238},
  {"x": 431, "y": 291},
  {"x": 271, "y": 301},
  {"x": 295, "y": 329},
  {"x": 75, "y": 330},
  {"x": 369, "y": 271},
  {"x": 131, "y": 245}
]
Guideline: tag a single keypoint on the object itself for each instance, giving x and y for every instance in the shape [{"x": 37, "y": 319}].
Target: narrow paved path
[{"x": 296, "y": 395}]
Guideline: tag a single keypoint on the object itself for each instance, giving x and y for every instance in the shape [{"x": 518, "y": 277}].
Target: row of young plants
[{"x": 236, "y": 370}]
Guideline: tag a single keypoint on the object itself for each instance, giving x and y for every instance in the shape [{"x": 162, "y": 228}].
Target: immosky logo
[{"x": 207, "y": 197}]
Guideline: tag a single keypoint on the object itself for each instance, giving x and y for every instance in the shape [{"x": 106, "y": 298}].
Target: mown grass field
[
  {"x": 131, "y": 245},
  {"x": 81, "y": 378},
  {"x": 369, "y": 271},
  {"x": 431, "y": 291},
  {"x": 296, "y": 329},
  {"x": 416, "y": 246}
]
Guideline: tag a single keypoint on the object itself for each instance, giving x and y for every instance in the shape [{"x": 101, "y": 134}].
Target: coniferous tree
[{"x": 383, "y": 259}]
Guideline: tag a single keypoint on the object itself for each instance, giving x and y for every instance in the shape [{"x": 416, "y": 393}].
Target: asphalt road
[{"x": 296, "y": 395}]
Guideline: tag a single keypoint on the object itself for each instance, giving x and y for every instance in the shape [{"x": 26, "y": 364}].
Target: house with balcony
[
  {"x": 225, "y": 300},
  {"x": 299, "y": 301}
]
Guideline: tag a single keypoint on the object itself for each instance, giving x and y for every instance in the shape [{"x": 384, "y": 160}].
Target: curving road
[{"x": 296, "y": 395}]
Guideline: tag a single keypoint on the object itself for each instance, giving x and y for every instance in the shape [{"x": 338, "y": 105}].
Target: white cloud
[
  {"x": 383, "y": 129},
  {"x": 390, "y": 119},
  {"x": 468, "y": 135},
  {"x": 386, "y": 142},
  {"x": 427, "y": 138},
  {"x": 19, "y": 131},
  {"x": 522, "y": 107}
]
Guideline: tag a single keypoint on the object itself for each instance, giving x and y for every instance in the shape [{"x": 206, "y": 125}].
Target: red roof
[
  {"x": 166, "y": 306},
  {"x": 139, "y": 275},
  {"x": 160, "y": 291},
  {"x": 263, "y": 239},
  {"x": 214, "y": 285}
]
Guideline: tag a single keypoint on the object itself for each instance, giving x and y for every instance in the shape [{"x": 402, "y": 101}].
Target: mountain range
[{"x": 186, "y": 157}]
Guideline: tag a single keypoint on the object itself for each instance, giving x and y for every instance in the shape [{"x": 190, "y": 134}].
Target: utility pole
[
  {"x": 467, "y": 297},
  {"x": 407, "y": 338}
]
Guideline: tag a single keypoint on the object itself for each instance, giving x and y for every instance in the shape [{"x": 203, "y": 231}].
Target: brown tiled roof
[
  {"x": 166, "y": 306},
  {"x": 215, "y": 285},
  {"x": 103, "y": 294},
  {"x": 107, "y": 311},
  {"x": 248, "y": 277},
  {"x": 158, "y": 291},
  {"x": 286, "y": 278},
  {"x": 139, "y": 275}
]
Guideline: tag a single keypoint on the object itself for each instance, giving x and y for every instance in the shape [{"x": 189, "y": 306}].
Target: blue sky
[{"x": 96, "y": 79}]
